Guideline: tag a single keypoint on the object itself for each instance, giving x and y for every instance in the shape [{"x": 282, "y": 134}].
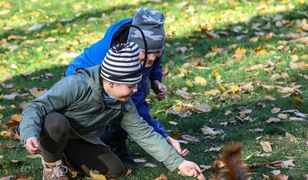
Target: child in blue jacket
[{"x": 151, "y": 23}]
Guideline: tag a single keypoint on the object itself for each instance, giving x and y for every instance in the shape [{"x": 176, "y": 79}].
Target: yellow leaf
[
  {"x": 96, "y": 176},
  {"x": 235, "y": 88},
  {"x": 212, "y": 92},
  {"x": 39, "y": 49},
  {"x": 189, "y": 83},
  {"x": 298, "y": 100},
  {"x": 223, "y": 88},
  {"x": 200, "y": 80}
]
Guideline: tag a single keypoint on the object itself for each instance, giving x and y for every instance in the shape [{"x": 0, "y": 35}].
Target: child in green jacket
[{"x": 67, "y": 118}]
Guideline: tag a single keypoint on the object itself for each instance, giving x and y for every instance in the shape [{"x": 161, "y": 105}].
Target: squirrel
[{"x": 230, "y": 166}]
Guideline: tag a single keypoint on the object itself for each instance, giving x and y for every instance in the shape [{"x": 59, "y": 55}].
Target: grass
[{"x": 26, "y": 57}]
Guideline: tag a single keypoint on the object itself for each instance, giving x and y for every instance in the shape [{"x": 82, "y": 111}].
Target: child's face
[
  {"x": 152, "y": 56},
  {"x": 121, "y": 92}
]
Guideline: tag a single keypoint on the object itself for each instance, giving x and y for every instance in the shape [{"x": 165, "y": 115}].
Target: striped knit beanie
[{"x": 122, "y": 64}]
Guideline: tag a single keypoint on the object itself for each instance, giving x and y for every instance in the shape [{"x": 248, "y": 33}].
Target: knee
[{"x": 56, "y": 122}]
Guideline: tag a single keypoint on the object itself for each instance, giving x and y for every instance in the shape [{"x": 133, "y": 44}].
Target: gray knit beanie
[
  {"x": 122, "y": 64},
  {"x": 151, "y": 23}
]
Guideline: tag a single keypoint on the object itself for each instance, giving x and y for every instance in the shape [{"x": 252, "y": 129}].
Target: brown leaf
[
  {"x": 128, "y": 172},
  {"x": 4, "y": 146},
  {"x": 10, "y": 134},
  {"x": 282, "y": 116},
  {"x": 266, "y": 146},
  {"x": 203, "y": 107},
  {"x": 298, "y": 65},
  {"x": 211, "y": 131},
  {"x": 281, "y": 164},
  {"x": 162, "y": 177},
  {"x": 273, "y": 120},
  {"x": 268, "y": 97},
  {"x": 200, "y": 81},
  {"x": 275, "y": 110},
  {"x": 190, "y": 138},
  {"x": 291, "y": 138},
  {"x": 15, "y": 119},
  {"x": 239, "y": 53}
]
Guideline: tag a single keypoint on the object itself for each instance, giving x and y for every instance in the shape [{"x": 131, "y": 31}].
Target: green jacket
[{"x": 79, "y": 99}]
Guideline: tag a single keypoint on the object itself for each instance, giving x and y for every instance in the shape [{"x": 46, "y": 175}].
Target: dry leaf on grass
[
  {"x": 190, "y": 138},
  {"x": 211, "y": 131},
  {"x": 95, "y": 175},
  {"x": 139, "y": 160},
  {"x": 162, "y": 177},
  {"x": 273, "y": 120},
  {"x": 291, "y": 138},
  {"x": 266, "y": 146},
  {"x": 288, "y": 164},
  {"x": 239, "y": 53},
  {"x": 275, "y": 110},
  {"x": 150, "y": 165}
]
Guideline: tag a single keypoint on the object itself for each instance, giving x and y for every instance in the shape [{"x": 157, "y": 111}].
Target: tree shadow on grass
[{"x": 23, "y": 83}]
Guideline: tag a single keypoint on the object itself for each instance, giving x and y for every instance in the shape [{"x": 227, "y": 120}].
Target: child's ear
[{"x": 110, "y": 84}]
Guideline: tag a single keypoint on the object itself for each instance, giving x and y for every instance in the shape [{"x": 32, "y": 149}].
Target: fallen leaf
[
  {"x": 189, "y": 138},
  {"x": 281, "y": 164},
  {"x": 298, "y": 65},
  {"x": 211, "y": 131},
  {"x": 139, "y": 160},
  {"x": 275, "y": 110},
  {"x": 10, "y": 134},
  {"x": 15, "y": 119},
  {"x": 291, "y": 138},
  {"x": 276, "y": 172},
  {"x": 95, "y": 175},
  {"x": 189, "y": 84},
  {"x": 213, "y": 149},
  {"x": 239, "y": 53},
  {"x": 235, "y": 88},
  {"x": 11, "y": 96},
  {"x": 273, "y": 120},
  {"x": 150, "y": 165},
  {"x": 212, "y": 92},
  {"x": 173, "y": 123},
  {"x": 282, "y": 116},
  {"x": 162, "y": 177},
  {"x": 183, "y": 94},
  {"x": 266, "y": 146},
  {"x": 4, "y": 146},
  {"x": 270, "y": 98},
  {"x": 200, "y": 81},
  {"x": 202, "y": 107},
  {"x": 128, "y": 172}
]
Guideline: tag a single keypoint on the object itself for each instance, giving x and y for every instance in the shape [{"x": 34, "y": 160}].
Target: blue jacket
[{"x": 94, "y": 55}]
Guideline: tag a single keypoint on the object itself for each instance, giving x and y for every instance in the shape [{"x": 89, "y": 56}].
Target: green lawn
[{"x": 253, "y": 56}]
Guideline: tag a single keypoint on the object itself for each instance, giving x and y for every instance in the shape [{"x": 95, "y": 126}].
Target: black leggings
[{"x": 54, "y": 142}]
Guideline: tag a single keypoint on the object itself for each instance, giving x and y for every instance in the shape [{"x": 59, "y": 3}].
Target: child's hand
[
  {"x": 159, "y": 89},
  {"x": 32, "y": 145},
  {"x": 175, "y": 143},
  {"x": 188, "y": 168}
]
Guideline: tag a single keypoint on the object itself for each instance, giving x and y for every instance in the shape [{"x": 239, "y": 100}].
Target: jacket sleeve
[
  {"x": 144, "y": 112},
  {"x": 152, "y": 142},
  {"x": 62, "y": 94},
  {"x": 156, "y": 71}
]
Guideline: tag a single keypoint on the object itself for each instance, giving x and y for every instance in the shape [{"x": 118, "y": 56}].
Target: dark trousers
[{"x": 54, "y": 142}]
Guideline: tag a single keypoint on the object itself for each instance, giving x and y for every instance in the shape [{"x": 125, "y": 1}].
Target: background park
[{"x": 235, "y": 70}]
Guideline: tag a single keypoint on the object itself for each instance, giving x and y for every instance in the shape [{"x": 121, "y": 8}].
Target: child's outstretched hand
[
  {"x": 188, "y": 168},
  {"x": 159, "y": 89},
  {"x": 32, "y": 145},
  {"x": 175, "y": 143}
]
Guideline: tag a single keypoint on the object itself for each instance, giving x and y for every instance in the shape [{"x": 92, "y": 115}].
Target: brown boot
[{"x": 55, "y": 171}]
